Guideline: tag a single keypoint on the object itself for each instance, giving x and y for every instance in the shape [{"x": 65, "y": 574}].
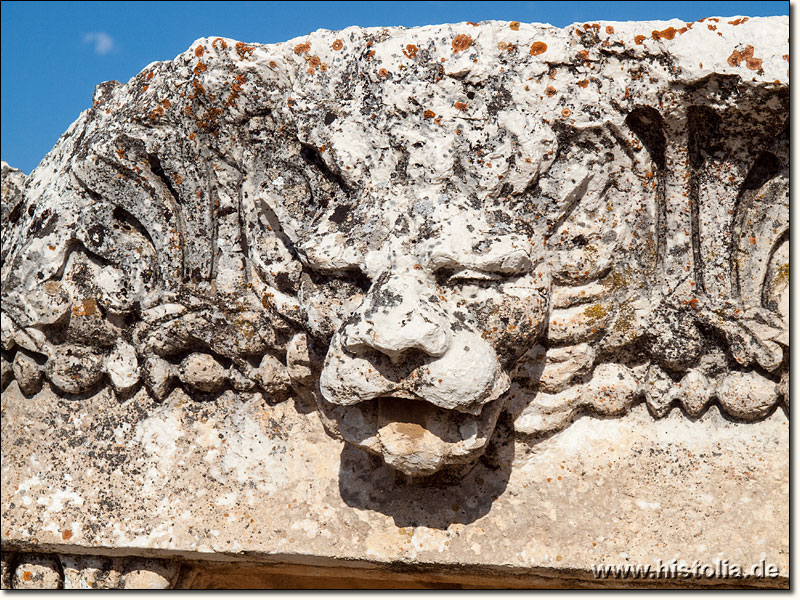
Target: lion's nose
[{"x": 400, "y": 313}]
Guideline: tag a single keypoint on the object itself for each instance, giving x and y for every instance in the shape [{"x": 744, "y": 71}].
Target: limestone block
[{"x": 425, "y": 297}]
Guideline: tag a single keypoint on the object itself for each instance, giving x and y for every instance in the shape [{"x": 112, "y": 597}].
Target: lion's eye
[
  {"x": 466, "y": 277},
  {"x": 340, "y": 284}
]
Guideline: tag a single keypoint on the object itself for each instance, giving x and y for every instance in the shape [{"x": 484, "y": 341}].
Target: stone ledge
[{"x": 664, "y": 489}]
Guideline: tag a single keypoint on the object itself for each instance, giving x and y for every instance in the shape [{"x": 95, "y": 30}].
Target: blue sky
[{"x": 54, "y": 53}]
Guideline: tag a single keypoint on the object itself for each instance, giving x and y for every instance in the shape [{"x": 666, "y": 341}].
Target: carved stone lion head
[{"x": 414, "y": 229}]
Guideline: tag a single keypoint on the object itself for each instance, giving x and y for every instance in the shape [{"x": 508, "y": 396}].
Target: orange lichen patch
[
  {"x": 337, "y": 45},
  {"x": 208, "y": 122},
  {"x": 199, "y": 51},
  {"x": 683, "y": 30},
  {"x": 609, "y": 30},
  {"x": 85, "y": 308},
  {"x": 461, "y": 105},
  {"x": 438, "y": 120},
  {"x": 66, "y": 534},
  {"x": 638, "y": 39},
  {"x": 178, "y": 179},
  {"x": 291, "y": 101},
  {"x": 584, "y": 54},
  {"x": 461, "y": 42},
  {"x": 786, "y": 57},
  {"x": 739, "y": 21},
  {"x": 583, "y": 83},
  {"x": 200, "y": 66},
  {"x": 150, "y": 75},
  {"x": 198, "y": 87},
  {"x": 538, "y": 48},
  {"x": 667, "y": 34},
  {"x": 157, "y": 112},
  {"x": 473, "y": 24},
  {"x": 272, "y": 64},
  {"x": 323, "y": 67},
  {"x": 383, "y": 73},
  {"x": 566, "y": 113},
  {"x": 27, "y": 575},
  {"x": 750, "y": 61},
  {"x": 145, "y": 88},
  {"x": 222, "y": 43},
  {"x": 120, "y": 153},
  {"x": 314, "y": 61},
  {"x": 410, "y": 51},
  {"x": 428, "y": 114},
  {"x": 302, "y": 48},
  {"x": 243, "y": 49},
  {"x": 514, "y": 25},
  {"x": 712, "y": 27}
]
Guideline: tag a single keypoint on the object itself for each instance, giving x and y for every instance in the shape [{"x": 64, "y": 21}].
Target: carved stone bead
[
  {"x": 149, "y": 575},
  {"x": 122, "y": 366},
  {"x": 273, "y": 375},
  {"x": 203, "y": 372},
  {"x": 7, "y": 371},
  {"x": 695, "y": 392},
  {"x": 158, "y": 376},
  {"x": 74, "y": 369},
  {"x": 37, "y": 572},
  {"x": 27, "y": 372},
  {"x": 747, "y": 395}
]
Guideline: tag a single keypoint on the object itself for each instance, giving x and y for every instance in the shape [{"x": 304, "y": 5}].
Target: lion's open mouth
[{"x": 415, "y": 436}]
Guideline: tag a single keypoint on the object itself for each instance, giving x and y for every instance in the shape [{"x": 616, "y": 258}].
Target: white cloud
[{"x": 103, "y": 43}]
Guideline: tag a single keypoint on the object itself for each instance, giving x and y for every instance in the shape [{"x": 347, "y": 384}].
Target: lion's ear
[{"x": 600, "y": 204}]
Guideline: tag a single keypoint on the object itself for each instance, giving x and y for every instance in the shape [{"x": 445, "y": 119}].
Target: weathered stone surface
[
  {"x": 446, "y": 293},
  {"x": 240, "y": 480}
]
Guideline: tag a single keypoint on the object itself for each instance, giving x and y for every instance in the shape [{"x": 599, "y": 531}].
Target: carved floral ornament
[{"x": 419, "y": 229}]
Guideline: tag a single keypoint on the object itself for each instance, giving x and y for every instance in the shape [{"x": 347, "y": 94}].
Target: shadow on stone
[{"x": 459, "y": 494}]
